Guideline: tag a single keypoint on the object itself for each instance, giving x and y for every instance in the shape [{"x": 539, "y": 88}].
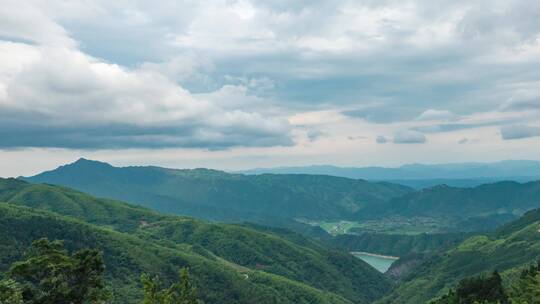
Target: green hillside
[
  {"x": 515, "y": 245},
  {"x": 241, "y": 250},
  {"x": 218, "y": 195},
  {"x": 482, "y": 208}
]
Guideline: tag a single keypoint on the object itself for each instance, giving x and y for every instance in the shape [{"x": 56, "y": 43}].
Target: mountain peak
[{"x": 88, "y": 162}]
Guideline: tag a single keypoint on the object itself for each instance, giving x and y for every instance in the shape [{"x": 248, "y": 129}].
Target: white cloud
[{"x": 85, "y": 102}]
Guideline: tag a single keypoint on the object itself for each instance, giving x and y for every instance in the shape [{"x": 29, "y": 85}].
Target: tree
[
  {"x": 526, "y": 290},
  {"x": 481, "y": 290},
  {"x": 10, "y": 292},
  {"x": 182, "y": 292},
  {"x": 49, "y": 275}
]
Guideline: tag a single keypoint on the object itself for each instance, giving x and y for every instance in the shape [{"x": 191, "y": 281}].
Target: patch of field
[{"x": 391, "y": 225}]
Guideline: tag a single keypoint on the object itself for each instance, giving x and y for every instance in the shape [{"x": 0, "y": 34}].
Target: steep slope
[
  {"x": 293, "y": 258},
  {"x": 515, "y": 245},
  {"x": 127, "y": 257},
  {"x": 218, "y": 195}
]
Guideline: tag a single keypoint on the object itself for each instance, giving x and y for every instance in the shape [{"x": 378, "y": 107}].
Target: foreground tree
[
  {"x": 50, "y": 275},
  {"x": 10, "y": 292},
  {"x": 182, "y": 292}
]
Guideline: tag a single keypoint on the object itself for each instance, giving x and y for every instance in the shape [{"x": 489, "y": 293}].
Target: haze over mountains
[
  {"x": 283, "y": 199},
  {"x": 218, "y": 195},
  {"x": 423, "y": 175}
]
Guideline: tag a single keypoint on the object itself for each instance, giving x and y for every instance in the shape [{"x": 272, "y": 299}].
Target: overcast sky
[{"x": 242, "y": 84}]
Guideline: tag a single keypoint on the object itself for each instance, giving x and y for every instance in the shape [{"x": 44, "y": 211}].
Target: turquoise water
[{"x": 380, "y": 263}]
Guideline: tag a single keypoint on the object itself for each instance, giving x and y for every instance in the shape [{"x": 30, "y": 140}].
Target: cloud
[
  {"x": 522, "y": 101},
  {"x": 87, "y": 103},
  {"x": 519, "y": 132},
  {"x": 409, "y": 137},
  {"x": 381, "y": 113},
  {"x": 314, "y": 135},
  {"x": 463, "y": 141},
  {"x": 433, "y": 114},
  {"x": 381, "y": 139},
  {"x": 169, "y": 75}
]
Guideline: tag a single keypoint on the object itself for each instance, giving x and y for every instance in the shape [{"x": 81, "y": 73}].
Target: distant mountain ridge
[
  {"x": 421, "y": 175},
  {"x": 218, "y": 195}
]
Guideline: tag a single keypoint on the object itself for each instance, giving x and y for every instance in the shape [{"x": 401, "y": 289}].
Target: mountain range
[
  {"x": 246, "y": 262},
  {"x": 218, "y": 195},
  {"x": 281, "y": 199},
  {"x": 424, "y": 175}
]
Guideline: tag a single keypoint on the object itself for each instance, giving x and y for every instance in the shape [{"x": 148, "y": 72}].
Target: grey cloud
[
  {"x": 381, "y": 139},
  {"x": 409, "y": 137},
  {"x": 313, "y": 135},
  {"x": 382, "y": 113},
  {"x": 519, "y": 132},
  {"x": 86, "y": 103},
  {"x": 522, "y": 103},
  {"x": 118, "y": 136},
  {"x": 450, "y": 127}
]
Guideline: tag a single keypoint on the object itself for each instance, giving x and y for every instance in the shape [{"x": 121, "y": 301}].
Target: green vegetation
[
  {"x": 387, "y": 225},
  {"x": 221, "y": 196},
  {"x": 491, "y": 290},
  {"x": 476, "y": 290},
  {"x": 483, "y": 207},
  {"x": 182, "y": 292},
  {"x": 240, "y": 262},
  {"x": 49, "y": 275},
  {"x": 395, "y": 244},
  {"x": 508, "y": 249},
  {"x": 526, "y": 289},
  {"x": 338, "y": 205}
]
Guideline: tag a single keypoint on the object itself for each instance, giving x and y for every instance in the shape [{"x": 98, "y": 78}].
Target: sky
[{"x": 243, "y": 84}]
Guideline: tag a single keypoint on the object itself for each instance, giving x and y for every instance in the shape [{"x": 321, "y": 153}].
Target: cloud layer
[{"x": 222, "y": 74}]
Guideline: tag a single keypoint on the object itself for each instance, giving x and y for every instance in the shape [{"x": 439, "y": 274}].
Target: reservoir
[{"x": 379, "y": 262}]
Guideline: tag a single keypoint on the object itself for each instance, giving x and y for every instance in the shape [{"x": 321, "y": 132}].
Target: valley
[{"x": 324, "y": 239}]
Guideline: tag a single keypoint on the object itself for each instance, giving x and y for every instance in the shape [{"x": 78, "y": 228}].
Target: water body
[{"x": 379, "y": 262}]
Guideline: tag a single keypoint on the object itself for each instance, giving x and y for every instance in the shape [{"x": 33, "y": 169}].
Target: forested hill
[
  {"x": 222, "y": 196},
  {"x": 508, "y": 250},
  {"x": 231, "y": 263},
  {"x": 496, "y": 199}
]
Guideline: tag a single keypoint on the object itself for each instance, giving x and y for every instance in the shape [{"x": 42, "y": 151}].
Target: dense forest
[
  {"x": 142, "y": 250},
  {"x": 226, "y": 261},
  {"x": 507, "y": 250}
]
